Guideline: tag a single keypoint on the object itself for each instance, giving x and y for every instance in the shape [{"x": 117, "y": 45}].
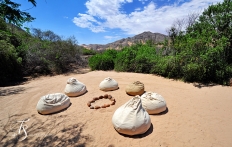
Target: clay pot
[
  {"x": 112, "y": 99},
  {"x": 107, "y": 105},
  {"x": 92, "y": 101},
  {"x": 103, "y": 106},
  {"x": 97, "y": 107},
  {"x": 88, "y": 104},
  {"x": 95, "y": 98}
]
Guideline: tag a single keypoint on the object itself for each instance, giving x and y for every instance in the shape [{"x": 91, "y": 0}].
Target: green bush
[
  {"x": 124, "y": 59},
  {"x": 103, "y": 61},
  {"x": 88, "y": 52},
  {"x": 193, "y": 72},
  {"x": 145, "y": 57},
  {"x": 11, "y": 56},
  {"x": 160, "y": 66},
  {"x": 111, "y": 53},
  {"x": 136, "y": 58},
  {"x": 10, "y": 63},
  {"x": 142, "y": 64}
]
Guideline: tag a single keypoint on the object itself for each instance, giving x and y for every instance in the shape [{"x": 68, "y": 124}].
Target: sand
[{"x": 197, "y": 115}]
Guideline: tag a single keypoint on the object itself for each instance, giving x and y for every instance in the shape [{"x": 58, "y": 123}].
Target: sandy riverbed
[{"x": 196, "y": 116}]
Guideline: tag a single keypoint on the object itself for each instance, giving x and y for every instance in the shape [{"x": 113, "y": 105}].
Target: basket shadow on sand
[
  {"x": 57, "y": 111},
  {"x": 162, "y": 113},
  {"x": 149, "y": 131}
]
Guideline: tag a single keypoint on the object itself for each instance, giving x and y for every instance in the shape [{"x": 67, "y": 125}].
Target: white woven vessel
[
  {"x": 52, "y": 103},
  {"x": 131, "y": 118},
  {"x": 74, "y": 87},
  {"x": 153, "y": 103},
  {"x": 108, "y": 84}
]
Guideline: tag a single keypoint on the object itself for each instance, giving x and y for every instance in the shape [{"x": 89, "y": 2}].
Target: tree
[
  {"x": 217, "y": 18},
  {"x": 10, "y": 13},
  {"x": 45, "y": 35},
  {"x": 203, "y": 51},
  {"x": 180, "y": 25}
]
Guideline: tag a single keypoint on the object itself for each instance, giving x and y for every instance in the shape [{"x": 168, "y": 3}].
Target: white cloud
[
  {"x": 111, "y": 37},
  {"x": 138, "y": 9},
  {"x": 143, "y": 1},
  {"x": 103, "y": 15},
  {"x": 88, "y": 21}
]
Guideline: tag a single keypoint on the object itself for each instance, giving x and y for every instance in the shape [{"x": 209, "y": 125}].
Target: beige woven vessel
[{"x": 135, "y": 88}]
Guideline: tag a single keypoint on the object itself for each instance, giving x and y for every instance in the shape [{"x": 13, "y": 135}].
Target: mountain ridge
[{"x": 119, "y": 44}]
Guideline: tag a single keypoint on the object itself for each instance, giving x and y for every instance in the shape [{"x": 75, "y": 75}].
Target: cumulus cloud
[
  {"x": 88, "y": 21},
  {"x": 111, "y": 37},
  {"x": 102, "y": 15}
]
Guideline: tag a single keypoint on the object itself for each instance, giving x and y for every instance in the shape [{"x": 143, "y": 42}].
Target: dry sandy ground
[{"x": 196, "y": 116}]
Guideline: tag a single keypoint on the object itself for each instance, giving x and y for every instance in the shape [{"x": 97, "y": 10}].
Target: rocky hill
[{"x": 143, "y": 37}]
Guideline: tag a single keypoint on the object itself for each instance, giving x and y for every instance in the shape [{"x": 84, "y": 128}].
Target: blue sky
[{"x": 105, "y": 21}]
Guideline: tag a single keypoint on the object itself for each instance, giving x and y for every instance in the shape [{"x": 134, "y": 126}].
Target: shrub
[
  {"x": 136, "y": 58},
  {"x": 160, "y": 66},
  {"x": 10, "y": 63},
  {"x": 10, "y": 56},
  {"x": 193, "y": 72},
  {"x": 142, "y": 64},
  {"x": 88, "y": 52},
  {"x": 103, "y": 61},
  {"x": 124, "y": 59},
  {"x": 52, "y": 56}
]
